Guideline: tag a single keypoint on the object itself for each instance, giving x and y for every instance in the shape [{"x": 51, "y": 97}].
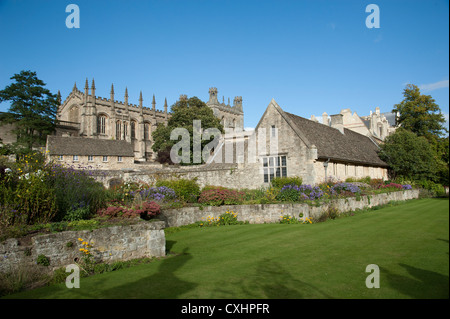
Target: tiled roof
[
  {"x": 349, "y": 147},
  {"x": 58, "y": 145}
]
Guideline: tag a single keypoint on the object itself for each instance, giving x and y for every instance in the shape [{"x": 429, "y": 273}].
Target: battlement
[{"x": 213, "y": 102}]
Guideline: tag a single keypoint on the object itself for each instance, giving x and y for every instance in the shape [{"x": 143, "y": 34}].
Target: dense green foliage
[
  {"x": 185, "y": 189},
  {"x": 184, "y": 112},
  {"x": 32, "y": 111},
  {"x": 421, "y": 154},
  {"x": 420, "y": 114},
  {"x": 409, "y": 155}
]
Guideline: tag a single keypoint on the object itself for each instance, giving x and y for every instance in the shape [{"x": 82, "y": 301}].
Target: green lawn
[{"x": 408, "y": 242}]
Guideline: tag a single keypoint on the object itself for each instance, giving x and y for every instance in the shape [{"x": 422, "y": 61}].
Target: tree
[
  {"x": 184, "y": 112},
  {"x": 32, "y": 111},
  {"x": 409, "y": 156},
  {"x": 420, "y": 114},
  {"x": 442, "y": 152}
]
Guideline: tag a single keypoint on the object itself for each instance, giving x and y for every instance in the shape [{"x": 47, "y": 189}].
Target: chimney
[
  {"x": 325, "y": 118},
  {"x": 337, "y": 122}
]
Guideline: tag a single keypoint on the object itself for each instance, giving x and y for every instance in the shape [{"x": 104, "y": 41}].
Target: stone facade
[
  {"x": 86, "y": 115},
  {"x": 282, "y": 144},
  {"x": 376, "y": 125},
  {"x": 90, "y": 153},
  {"x": 231, "y": 117},
  {"x": 270, "y": 213}
]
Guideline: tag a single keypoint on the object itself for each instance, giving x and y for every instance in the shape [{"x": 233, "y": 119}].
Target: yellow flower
[{"x": 80, "y": 239}]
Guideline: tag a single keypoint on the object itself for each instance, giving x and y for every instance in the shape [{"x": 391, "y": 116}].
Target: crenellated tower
[{"x": 231, "y": 116}]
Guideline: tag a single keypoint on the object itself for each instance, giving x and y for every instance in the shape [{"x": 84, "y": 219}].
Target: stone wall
[
  {"x": 144, "y": 239},
  {"x": 270, "y": 213},
  {"x": 147, "y": 239},
  {"x": 226, "y": 175}
]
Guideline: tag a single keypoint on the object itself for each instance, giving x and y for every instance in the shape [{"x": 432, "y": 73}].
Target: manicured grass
[{"x": 409, "y": 243}]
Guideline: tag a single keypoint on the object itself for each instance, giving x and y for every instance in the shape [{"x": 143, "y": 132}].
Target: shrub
[
  {"x": 185, "y": 189},
  {"x": 297, "y": 193},
  {"x": 26, "y": 198},
  {"x": 221, "y": 196},
  {"x": 433, "y": 188},
  {"x": 148, "y": 210},
  {"x": 160, "y": 194},
  {"x": 280, "y": 182},
  {"x": 43, "y": 260},
  {"x": 345, "y": 189},
  {"x": 228, "y": 218},
  {"x": 74, "y": 189},
  {"x": 145, "y": 210},
  {"x": 286, "y": 219},
  {"x": 79, "y": 213}
]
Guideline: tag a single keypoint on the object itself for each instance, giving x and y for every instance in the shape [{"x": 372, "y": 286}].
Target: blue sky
[{"x": 310, "y": 56}]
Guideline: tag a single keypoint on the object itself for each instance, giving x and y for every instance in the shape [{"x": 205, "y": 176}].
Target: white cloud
[
  {"x": 434, "y": 86},
  {"x": 249, "y": 128}
]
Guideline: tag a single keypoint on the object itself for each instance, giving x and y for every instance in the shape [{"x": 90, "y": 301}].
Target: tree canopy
[
  {"x": 184, "y": 113},
  {"x": 420, "y": 114},
  {"x": 32, "y": 110},
  {"x": 409, "y": 156}
]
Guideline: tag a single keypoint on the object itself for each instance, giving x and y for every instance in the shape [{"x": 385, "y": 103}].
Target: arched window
[
  {"x": 125, "y": 129},
  {"x": 101, "y": 124},
  {"x": 73, "y": 114},
  {"x": 118, "y": 130},
  {"x": 133, "y": 129},
  {"x": 146, "y": 131}
]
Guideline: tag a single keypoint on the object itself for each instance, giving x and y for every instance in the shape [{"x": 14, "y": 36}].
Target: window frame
[{"x": 274, "y": 166}]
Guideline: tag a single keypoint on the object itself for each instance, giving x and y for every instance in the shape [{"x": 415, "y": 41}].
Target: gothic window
[
  {"x": 118, "y": 130},
  {"x": 146, "y": 131},
  {"x": 125, "y": 129},
  {"x": 101, "y": 124},
  {"x": 133, "y": 130},
  {"x": 73, "y": 114},
  {"x": 274, "y": 166},
  {"x": 274, "y": 130}
]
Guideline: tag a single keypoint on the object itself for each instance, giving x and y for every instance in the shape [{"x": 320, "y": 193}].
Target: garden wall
[
  {"x": 270, "y": 213},
  {"x": 144, "y": 239}
]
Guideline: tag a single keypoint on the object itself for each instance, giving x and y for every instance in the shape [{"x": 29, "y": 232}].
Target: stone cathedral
[{"x": 83, "y": 114}]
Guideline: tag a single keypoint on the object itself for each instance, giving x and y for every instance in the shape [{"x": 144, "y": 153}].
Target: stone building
[
  {"x": 83, "y": 114},
  {"x": 376, "y": 125},
  {"x": 90, "y": 152},
  {"x": 230, "y": 116},
  {"x": 284, "y": 144}
]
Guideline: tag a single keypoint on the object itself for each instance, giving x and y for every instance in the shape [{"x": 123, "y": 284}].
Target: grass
[{"x": 409, "y": 243}]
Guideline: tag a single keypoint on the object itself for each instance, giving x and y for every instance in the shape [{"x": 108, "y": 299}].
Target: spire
[
  {"x": 154, "y": 103},
  {"x": 126, "y": 96},
  {"x": 140, "y": 102},
  {"x": 74, "y": 87},
  {"x": 58, "y": 97},
  {"x": 165, "y": 110},
  {"x": 112, "y": 92},
  {"x": 93, "y": 88},
  {"x": 86, "y": 85}
]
